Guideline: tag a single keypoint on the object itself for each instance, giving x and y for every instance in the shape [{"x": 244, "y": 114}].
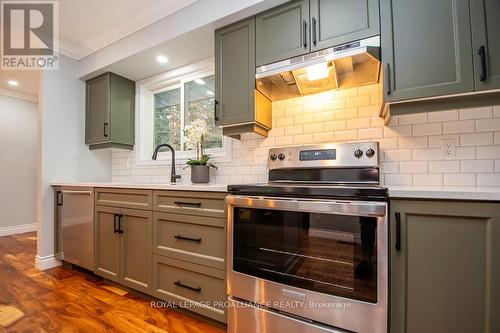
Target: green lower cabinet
[
  {"x": 445, "y": 267},
  {"x": 123, "y": 248}
]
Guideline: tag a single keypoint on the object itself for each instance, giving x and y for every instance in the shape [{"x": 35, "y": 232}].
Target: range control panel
[{"x": 359, "y": 154}]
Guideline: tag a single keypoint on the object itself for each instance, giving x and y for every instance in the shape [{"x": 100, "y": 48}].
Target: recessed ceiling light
[
  {"x": 162, "y": 59},
  {"x": 199, "y": 81},
  {"x": 13, "y": 83},
  {"x": 210, "y": 93}
]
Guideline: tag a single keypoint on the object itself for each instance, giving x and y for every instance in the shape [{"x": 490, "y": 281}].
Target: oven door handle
[{"x": 354, "y": 208}]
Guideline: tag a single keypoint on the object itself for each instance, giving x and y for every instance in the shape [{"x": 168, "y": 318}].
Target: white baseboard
[
  {"x": 17, "y": 229},
  {"x": 46, "y": 262}
]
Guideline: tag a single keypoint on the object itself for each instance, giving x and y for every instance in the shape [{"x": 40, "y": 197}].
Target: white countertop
[
  {"x": 409, "y": 192},
  {"x": 178, "y": 187},
  {"x": 415, "y": 192}
]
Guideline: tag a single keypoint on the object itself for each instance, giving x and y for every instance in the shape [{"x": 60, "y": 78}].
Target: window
[
  {"x": 167, "y": 103},
  {"x": 172, "y": 113}
]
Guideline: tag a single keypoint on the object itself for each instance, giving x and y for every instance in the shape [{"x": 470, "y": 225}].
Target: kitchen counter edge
[{"x": 165, "y": 187}]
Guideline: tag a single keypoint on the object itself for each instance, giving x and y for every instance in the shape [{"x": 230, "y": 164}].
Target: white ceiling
[
  {"x": 189, "y": 48},
  {"x": 89, "y": 25},
  {"x": 28, "y": 84}
]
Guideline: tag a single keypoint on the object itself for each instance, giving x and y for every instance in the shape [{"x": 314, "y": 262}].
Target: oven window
[{"x": 332, "y": 254}]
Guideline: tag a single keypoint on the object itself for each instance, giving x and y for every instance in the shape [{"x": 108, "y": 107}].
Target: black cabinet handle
[
  {"x": 182, "y": 203},
  {"x": 115, "y": 224},
  {"x": 398, "y": 231},
  {"x": 216, "y": 117},
  {"x": 482, "y": 55},
  {"x": 305, "y": 33},
  {"x": 106, "y": 134},
  {"x": 314, "y": 30},
  {"x": 388, "y": 74},
  {"x": 180, "y": 284},
  {"x": 59, "y": 199},
  {"x": 120, "y": 230},
  {"x": 198, "y": 240}
]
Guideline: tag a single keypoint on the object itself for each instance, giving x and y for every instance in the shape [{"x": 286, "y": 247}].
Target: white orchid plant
[{"x": 195, "y": 132}]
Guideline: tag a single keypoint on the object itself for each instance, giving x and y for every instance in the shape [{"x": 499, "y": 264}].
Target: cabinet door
[
  {"x": 335, "y": 22},
  {"x": 107, "y": 243},
  {"x": 97, "y": 108},
  {"x": 485, "y": 34},
  {"x": 283, "y": 32},
  {"x": 235, "y": 73},
  {"x": 445, "y": 275},
  {"x": 122, "y": 103},
  {"x": 136, "y": 249},
  {"x": 426, "y": 48}
]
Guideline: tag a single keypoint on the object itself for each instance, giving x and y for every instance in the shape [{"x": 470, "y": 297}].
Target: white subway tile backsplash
[
  {"x": 413, "y": 142},
  {"x": 415, "y": 118},
  {"x": 428, "y": 180},
  {"x": 476, "y": 113},
  {"x": 414, "y": 167},
  {"x": 397, "y": 131},
  {"x": 430, "y": 154},
  {"x": 461, "y": 126},
  {"x": 488, "y": 180},
  {"x": 444, "y": 166},
  {"x": 492, "y": 152},
  {"x": 485, "y": 125},
  {"x": 475, "y": 166},
  {"x": 457, "y": 179},
  {"x": 439, "y": 116},
  {"x": 398, "y": 155},
  {"x": 410, "y": 145},
  {"x": 476, "y": 139},
  {"x": 392, "y": 179}
]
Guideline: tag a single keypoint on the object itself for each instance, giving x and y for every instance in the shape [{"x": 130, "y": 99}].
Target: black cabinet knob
[
  {"x": 370, "y": 152},
  {"x": 358, "y": 153}
]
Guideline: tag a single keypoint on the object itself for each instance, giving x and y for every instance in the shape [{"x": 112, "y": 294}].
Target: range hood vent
[{"x": 346, "y": 66}]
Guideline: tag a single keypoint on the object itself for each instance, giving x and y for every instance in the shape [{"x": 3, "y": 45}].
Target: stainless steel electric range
[{"x": 307, "y": 252}]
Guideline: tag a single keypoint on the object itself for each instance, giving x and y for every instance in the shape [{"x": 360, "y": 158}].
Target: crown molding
[
  {"x": 139, "y": 21},
  {"x": 13, "y": 94}
]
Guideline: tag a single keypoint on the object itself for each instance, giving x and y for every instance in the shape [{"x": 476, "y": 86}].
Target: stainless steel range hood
[{"x": 346, "y": 66}]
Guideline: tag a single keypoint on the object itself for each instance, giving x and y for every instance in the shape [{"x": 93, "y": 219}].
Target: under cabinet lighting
[
  {"x": 13, "y": 83},
  {"x": 317, "y": 72},
  {"x": 162, "y": 59}
]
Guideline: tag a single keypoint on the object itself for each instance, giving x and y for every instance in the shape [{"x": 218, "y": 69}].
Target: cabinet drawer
[
  {"x": 211, "y": 204},
  {"x": 124, "y": 198},
  {"x": 182, "y": 283},
  {"x": 201, "y": 240}
]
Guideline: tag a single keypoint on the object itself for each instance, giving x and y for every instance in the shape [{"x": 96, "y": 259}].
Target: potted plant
[{"x": 200, "y": 167}]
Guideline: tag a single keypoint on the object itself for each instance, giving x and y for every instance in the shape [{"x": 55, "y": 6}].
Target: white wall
[
  {"x": 63, "y": 155},
  {"x": 18, "y": 135},
  {"x": 410, "y": 145}
]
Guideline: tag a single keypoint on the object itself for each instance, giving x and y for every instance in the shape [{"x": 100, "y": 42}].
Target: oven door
[{"x": 324, "y": 260}]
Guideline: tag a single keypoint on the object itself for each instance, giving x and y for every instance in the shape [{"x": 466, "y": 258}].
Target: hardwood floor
[{"x": 66, "y": 300}]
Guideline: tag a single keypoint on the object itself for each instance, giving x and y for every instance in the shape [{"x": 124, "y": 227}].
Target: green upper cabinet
[
  {"x": 283, "y": 32},
  {"x": 237, "y": 101},
  {"x": 426, "y": 48},
  {"x": 486, "y": 44},
  {"x": 335, "y": 22},
  {"x": 445, "y": 267},
  {"x": 110, "y": 105}
]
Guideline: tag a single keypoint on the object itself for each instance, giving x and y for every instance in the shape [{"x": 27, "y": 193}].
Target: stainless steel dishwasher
[{"x": 75, "y": 225}]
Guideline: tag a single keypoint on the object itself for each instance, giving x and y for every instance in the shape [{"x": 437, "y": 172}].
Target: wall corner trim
[{"x": 46, "y": 262}]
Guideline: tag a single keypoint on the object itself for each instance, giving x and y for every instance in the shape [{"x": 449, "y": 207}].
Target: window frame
[{"x": 145, "y": 90}]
